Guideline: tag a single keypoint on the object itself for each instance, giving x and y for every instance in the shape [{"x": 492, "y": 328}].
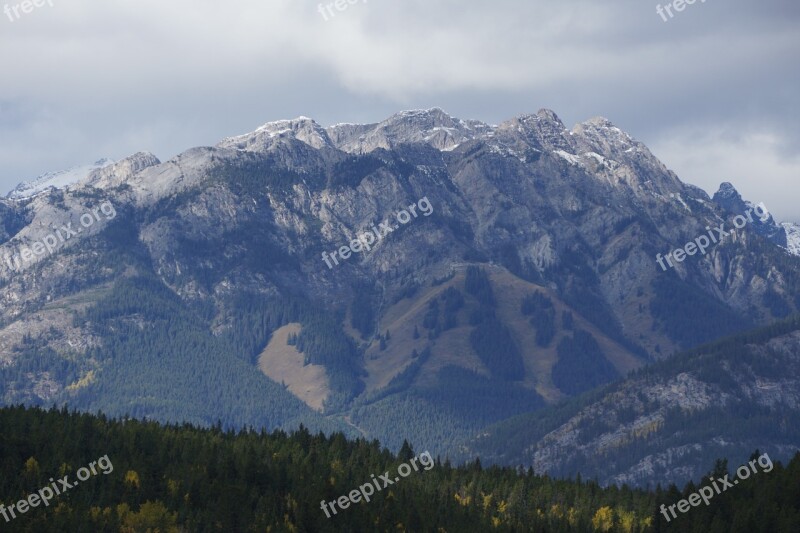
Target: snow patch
[
  {"x": 684, "y": 204},
  {"x": 57, "y": 180},
  {"x": 571, "y": 158},
  {"x": 792, "y": 237}
]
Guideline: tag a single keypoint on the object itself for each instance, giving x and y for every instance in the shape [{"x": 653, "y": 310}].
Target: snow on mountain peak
[
  {"x": 58, "y": 179},
  {"x": 433, "y": 111},
  {"x": 432, "y": 126},
  {"x": 301, "y": 128}
]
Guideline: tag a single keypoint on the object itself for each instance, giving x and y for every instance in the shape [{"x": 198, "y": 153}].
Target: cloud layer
[{"x": 712, "y": 91}]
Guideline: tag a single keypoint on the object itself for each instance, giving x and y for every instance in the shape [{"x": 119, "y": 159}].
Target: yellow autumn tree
[
  {"x": 487, "y": 501},
  {"x": 555, "y": 510},
  {"x": 603, "y": 519},
  {"x": 32, "y": 472},
  {"x": 502, "y": 507},
  {"x": 627, "y": 521},
  {"x": 132, "y": 479},
  {"x": 572, "y": 516}
]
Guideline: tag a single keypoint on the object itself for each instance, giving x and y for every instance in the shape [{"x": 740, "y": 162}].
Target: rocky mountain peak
[
  {"x": 301, "y": 128},
  {"x": 431, "y": 126},
  {"x": 727, "y": 193},
  {"x": 601, "y": 131},
  {"x": 600, "y": 122},
  {"x": 729, "y": 199},
  {"x": 600, "y": 136},
  {"x": 544, "y": 130},
  {"x": 549, "y": 115},
  {"x": 121, "y": 171},
  {"x": 434, "y": 115}
]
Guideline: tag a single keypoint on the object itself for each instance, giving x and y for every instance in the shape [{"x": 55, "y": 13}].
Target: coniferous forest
[{"x": 182, "y": 478}]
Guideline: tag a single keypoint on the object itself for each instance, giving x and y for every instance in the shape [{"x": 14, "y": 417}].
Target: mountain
[
  {"x": 665, "y": 423},
  {"x": 56, "y": 179},
  {"x": 420, "y": 278}
]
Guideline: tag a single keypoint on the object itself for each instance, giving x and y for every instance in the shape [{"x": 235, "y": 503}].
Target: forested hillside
[
  {"x": 180, "y": 478},
  {"x": 174, "y": 369}
]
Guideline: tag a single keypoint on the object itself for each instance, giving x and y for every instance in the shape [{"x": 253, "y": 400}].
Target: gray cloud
[{"x": 712, "y": 91}]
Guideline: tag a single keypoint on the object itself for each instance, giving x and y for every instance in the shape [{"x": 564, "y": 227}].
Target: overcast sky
[{"x": 712, "y": 91}]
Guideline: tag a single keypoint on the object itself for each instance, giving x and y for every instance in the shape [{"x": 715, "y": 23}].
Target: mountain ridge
[
  {"x": 532, "y": 278},
  {"x": 436, "y": 128}
]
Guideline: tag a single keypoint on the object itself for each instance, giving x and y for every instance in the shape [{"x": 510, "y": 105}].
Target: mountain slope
[{"x": 664, "y": 423}]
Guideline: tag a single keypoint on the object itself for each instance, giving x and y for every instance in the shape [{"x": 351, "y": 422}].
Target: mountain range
[{"x": 532, "y": 282}]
